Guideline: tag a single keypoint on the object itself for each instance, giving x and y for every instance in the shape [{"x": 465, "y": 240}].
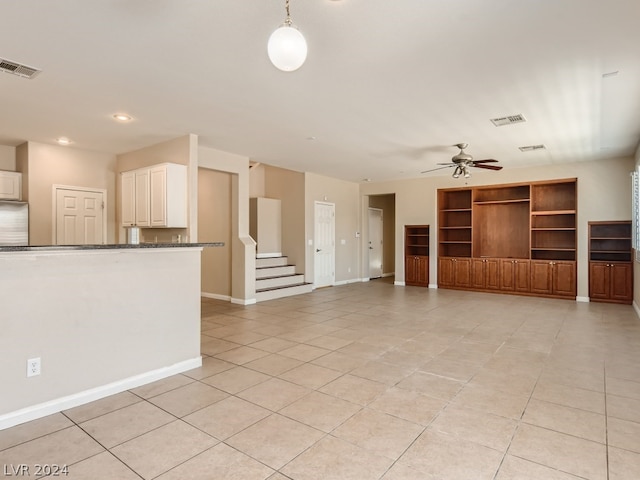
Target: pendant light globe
[{"x": 287, "y": 48}]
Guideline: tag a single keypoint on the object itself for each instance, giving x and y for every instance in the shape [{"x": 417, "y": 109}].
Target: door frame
[
  {"x": 315, "y": 270},
  {"x": 54, "y": 202},
  {"x": 381, "y": 234}
]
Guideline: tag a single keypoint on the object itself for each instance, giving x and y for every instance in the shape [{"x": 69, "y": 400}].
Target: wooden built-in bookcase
[
  {"x": 416, "y": 255},
  {"x": 514, "y": 238},
  {"x": 610, "y": 262}
]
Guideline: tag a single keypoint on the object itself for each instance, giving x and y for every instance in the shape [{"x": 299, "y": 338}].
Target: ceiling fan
[{"x": 462, "y": 161}]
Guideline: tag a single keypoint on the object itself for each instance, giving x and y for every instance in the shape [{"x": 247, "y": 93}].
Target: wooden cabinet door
[
  {"x": 142, "y": 198},
  {"x": 492, "y": 274},
  {"x": 416, "y": 270},
  {"x": 446, "y": 272},
  {"x": 564, "y": 278},
  {"x": 158, "y": 196},
  {"x": 422, "y": 273},
  {"x": 621, "y": 282},
  {"x": 522, "y": 276},
  {"x": 477, "y": 273},
  {"x": 462, "y": 272},
  {"x": 409, "y": 270},
  {"x": 507, "y": 275},
  {"x": 541, "y": 276},
  {"x": 599, "y": 281},
  {"x": 128, "y": 199}
]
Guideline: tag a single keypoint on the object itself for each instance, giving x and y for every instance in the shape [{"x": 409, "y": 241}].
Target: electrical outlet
[{"x": 33, "y": 367}]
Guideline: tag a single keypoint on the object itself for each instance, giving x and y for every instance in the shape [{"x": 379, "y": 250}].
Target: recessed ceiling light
[
  {"x": 122, "y": 117},
  {"x": 63, "y": 141},
  {"x": 366, "y": 179},
  {"x": 312, "y": 138}
]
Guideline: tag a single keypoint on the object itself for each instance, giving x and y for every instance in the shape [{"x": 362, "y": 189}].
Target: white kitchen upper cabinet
[
  {"x": 10, "y": 185},
  {"x": 142, "y": 198},
  {"x": 155, "y": 196},
  {"x": 128, "y": 199}
]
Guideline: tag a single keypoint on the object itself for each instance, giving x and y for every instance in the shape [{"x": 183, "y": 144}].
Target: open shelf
[{"x": 610, "y": 241}]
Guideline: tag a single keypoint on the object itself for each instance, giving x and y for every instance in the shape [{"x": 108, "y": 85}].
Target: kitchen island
[{"x": 101, "y": 319}]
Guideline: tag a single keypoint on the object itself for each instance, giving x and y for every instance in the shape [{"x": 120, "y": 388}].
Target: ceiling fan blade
[
  {"x": 448, "y": 164},
  {"x": 488, "y": 167},
  {"x": 440, "y": 168},
  {"x": 488, "y": 160}
]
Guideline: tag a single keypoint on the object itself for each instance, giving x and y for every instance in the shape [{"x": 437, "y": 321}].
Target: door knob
[{"x": 317, "y": 250}]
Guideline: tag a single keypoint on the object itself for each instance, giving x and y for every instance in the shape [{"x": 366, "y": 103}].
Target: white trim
[
  {"x": 433, "y": 285},
  {"x": 366, "y": 279},
  {"x": 54, "y": 220},
  {"x": 215, "y": 296},
  {"x": 63, "y": 403},
  {"x": 636, "y": 308},
  {"x": 583, "y": 299},
  {"x": 346, "y": 282},
  {"x": 399, "y": 283},
  {"x": 269, "y": 255},
  {"x": 243, "y": 301}
]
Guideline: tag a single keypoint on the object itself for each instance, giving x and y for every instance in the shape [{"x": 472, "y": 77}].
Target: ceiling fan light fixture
[
  {"x": 457, "y": 172},
  {"x": 287, "y": 47},
  {"x": 467, "y": 173}
]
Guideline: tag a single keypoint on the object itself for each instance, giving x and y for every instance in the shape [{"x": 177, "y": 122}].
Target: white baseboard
[
  {"x": 636, "y": 308},
  {"x": 399, "y": 283},
  {"x": 583, "y": 299},
  {"x": 433, "y": 285},
  {"x": 64, "y": 403},
  {"x": 215, "y": 296},
  {"x": 388, "y": 274},
  {"x": 243, "y": 301},
  {"x": 346, "y": 282}
]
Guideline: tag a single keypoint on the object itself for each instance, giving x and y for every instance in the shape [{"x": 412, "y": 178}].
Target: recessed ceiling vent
[
  {"x": 18, "y": 69},
  {"x": 509, "y": 120},
  {"x": 531, "y": 148}
]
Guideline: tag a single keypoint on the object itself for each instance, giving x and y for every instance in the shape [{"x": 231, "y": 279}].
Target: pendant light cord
[{"x": 287, "y": 21}]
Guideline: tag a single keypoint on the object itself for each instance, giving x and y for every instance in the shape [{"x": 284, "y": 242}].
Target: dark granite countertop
[{"x": 114, "y": 246}]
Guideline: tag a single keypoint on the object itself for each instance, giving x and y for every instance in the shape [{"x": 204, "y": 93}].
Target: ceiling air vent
[
  {"x": 509, "y": 120},
  {"x": 531, "y": 148},
  {"x": 18, "y": 69}
]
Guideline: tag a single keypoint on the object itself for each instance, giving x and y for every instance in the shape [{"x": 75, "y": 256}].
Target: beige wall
[
  {"x": 288, "y": 186},
  {"x": 214, "y": 225},
  {"x": 387, "y": 203},
  {"x": 347, "y": 209},
  {"x": 604, "y": 193},
  {"x": 48, "y": 165},
  {"x": 265, "y": 226},
  {"x": 256, "y": 181},
  {"x": 7, "y": 158},
  {"x": 243, "y": 248}
]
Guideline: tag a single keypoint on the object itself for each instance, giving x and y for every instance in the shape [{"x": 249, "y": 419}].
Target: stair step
[
  {"x": 275, "y": 271},
  {"x": 279, "y": 281},
  {"x": 271, "y": 262},
  {"x": 280, "y": 292}
]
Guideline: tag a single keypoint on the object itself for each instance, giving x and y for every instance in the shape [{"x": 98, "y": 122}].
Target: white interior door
[
  {"x": 79, "y": 217},
  {"x": 375, "y": 243},
  {"x": 325, "y": 249}
]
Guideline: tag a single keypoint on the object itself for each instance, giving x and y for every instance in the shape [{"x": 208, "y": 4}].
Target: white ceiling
[{"x": 388, "y": 87}]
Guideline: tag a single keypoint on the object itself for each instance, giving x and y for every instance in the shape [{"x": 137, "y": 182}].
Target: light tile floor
[{"x": 371, "y": 381}]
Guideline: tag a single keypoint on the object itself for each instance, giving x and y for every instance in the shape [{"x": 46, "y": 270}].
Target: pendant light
[{"x": 287, "y": 47}]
